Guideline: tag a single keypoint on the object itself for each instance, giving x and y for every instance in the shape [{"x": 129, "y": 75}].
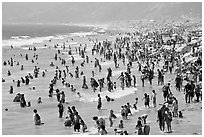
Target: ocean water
[
  {"x": 18, "y": 121},
  {"x": 28, "y": 34}
]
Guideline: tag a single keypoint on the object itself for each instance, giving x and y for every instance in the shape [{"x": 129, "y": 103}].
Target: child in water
[
  {"x": 135, "y": 105},
  {"x": 121, "y": 124},
  {"x": 39, "y": 100},
  {"x": 68, "y": 122},
  {"x": 37, "y": 118},
  {"x": 99, "y": 102}
]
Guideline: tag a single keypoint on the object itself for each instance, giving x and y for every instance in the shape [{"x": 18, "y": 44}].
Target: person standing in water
[
  {"x": 111, "y": 116},
  {"x": 63, "y": 97},
  {"x": 61, "y": 109},
  {"x": 37, "y": 118},
  {"x": 168, "y": 119},
  {"x": 154, "y": 98},
  {"x": 76, "y": 122},
  {"x": 99, "y": 102},
  {"x": 134, "y": 80},
  {"x": 161, "y": 119},
  {"x": 146, "y": 100},
  {"x": 11, "y": 90},
  {"x": 142, "y": 79}
]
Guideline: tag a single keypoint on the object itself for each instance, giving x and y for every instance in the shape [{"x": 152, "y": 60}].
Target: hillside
[{"x": 95, "y": 12}]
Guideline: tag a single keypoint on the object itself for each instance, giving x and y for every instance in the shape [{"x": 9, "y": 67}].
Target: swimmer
[{"x": 79, "y": 94}]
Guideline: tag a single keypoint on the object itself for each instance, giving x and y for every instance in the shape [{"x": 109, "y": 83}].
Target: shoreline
[{"x": 49, "y": 105}]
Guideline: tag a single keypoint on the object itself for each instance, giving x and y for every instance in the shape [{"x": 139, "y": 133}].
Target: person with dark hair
[
  {"x": 187, "y": 90},
  {"x": 139, "y": 126},
  {"x": 142, "y": 79},
  {"x": 192, "y": 91},
  {"x": 154, "y": 94},
  {"x": 17, "y": 98},
  {"x": 94, "y": 84},
  {"x": 180, "y": 114},
  {"x": 18, "y": 83},
  {"x": 11, "y": 90},
  {"x": 135, "y": 104},
  {"x": 111, "y": 116},
  {"x": 159, "y": 77},
  {"x": 76, "y": 122},
  {"x": 178, "y": 81},
  {"x": 146, "y": 103},
  {"x": 166, "y": 91},
  {"x": 63, "y": 97},
  {"x": 39, "y": 100},
  {"x": 70, "y": 114},
  {"x": 22, "y": 67},
  {"x": 102, "y": 131},
  {"x": 123, "y": 112},
  {"x": 128, "y": 108},
  {"x": 61, "y": 109},
  {"x": 134, "y": 80},
  {"x": 22, "y": 101},
  {"x": 99, "y": 122},
  {"x": 73, "y": 61},
  {"x": 125, "y": 132},
  {"x": 197, "y": 92},
  {"x": 99, "y": 102},
  {"x": 150, "y": 76},
  {"x": 121, "y": 124},
  {"x": 161, "y": 119},
  {"x": 84, "y": 85},
  {"x": 22, "y": 79},
  {"x": 168, "y": 119},
  {"x": 58, "y": 95},
  {"x": 122, "y": 79},
  {"x": 27, "y": 80},
  {"x": 9, "y": 73},
  {"x": 37, "y": 118},
  {"x": 108, "y": 98}
]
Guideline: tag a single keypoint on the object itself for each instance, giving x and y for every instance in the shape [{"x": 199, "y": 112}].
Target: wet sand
[{"x": 17, "y": 120}]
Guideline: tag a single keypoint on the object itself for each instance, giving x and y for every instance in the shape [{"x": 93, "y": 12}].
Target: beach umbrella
[{"x": 101, "y": 31}]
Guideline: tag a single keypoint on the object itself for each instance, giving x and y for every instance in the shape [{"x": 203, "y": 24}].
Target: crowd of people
[{"x": 145, "y": 48}]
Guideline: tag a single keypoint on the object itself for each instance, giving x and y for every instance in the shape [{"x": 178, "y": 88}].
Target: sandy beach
[{"x": 19, "y": 121}]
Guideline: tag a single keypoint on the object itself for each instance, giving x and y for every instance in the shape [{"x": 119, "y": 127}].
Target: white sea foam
[
  {"x": 60, "y": 37},
  {"x": 20, "y": 37},
  {"x": 26, "y": 48},
  {"x": 83, "y": 34},
  {"x": 114, "y": 94},
  {"x": 26, "y": 40},
  {"x": 118, "y": 115},
  {"x": 20, "y": 42}
]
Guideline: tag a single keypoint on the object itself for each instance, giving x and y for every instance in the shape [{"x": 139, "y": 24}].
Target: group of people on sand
[
  {"x": 130, "y": 50},
  {"x": 72, "y": 118}
]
